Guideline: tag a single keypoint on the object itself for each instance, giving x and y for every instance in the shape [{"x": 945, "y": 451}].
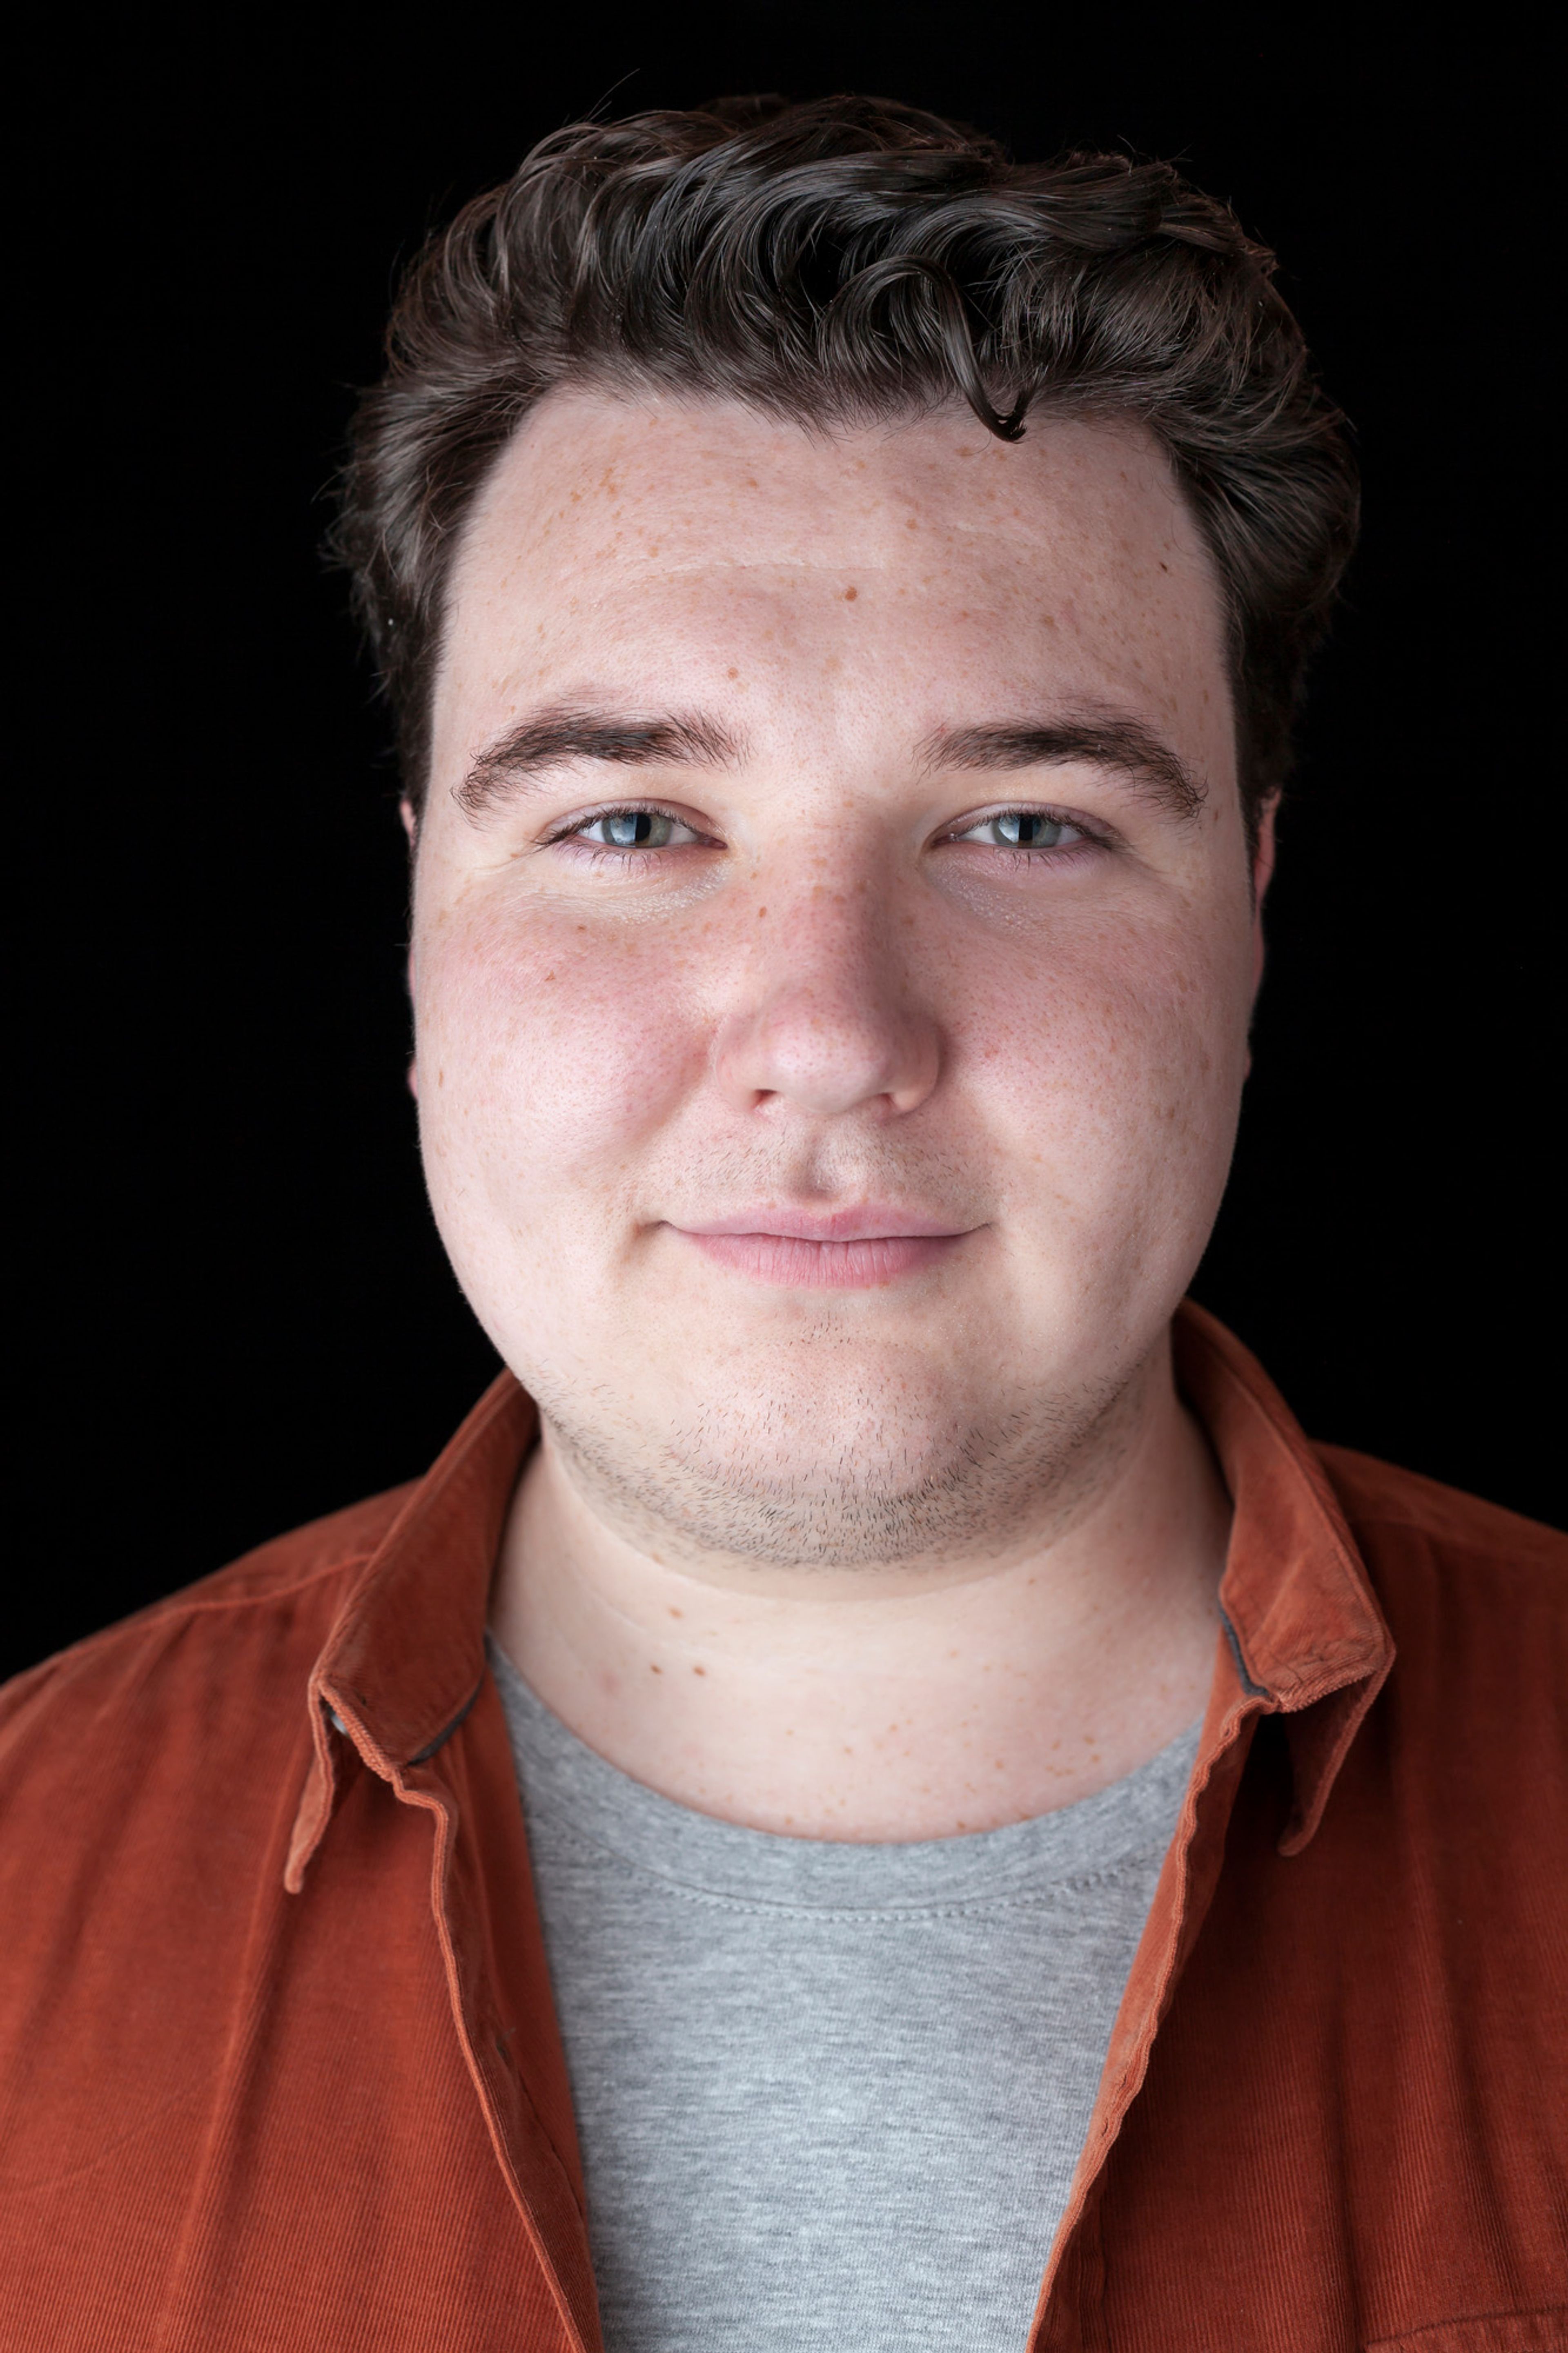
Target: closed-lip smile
[{"x": 856, "y": 1249}]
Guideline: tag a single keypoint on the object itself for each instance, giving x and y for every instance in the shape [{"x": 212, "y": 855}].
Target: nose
[{"x": 827, "y": 1018}]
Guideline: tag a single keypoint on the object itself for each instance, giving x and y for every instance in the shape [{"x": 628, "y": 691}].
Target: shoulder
[
  {"x": 1476, "y": 1597},
  {"x": 149, "y": 1777},
  {"x": 261, "y": 1620},
  {"x": 1399, "y": 1515}
]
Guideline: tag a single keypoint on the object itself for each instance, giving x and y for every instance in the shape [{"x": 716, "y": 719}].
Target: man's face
[{"x": 832, "y": 837}]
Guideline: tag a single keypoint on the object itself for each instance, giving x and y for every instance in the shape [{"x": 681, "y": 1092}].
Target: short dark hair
[{"x": 842, "y": 262}]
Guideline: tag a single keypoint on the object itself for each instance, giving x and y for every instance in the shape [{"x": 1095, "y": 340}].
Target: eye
[
  {"x": 1023, "y": 829},
  {"x": 633, "y": 828}
]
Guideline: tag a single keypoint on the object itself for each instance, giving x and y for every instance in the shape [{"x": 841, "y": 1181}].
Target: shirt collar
[
  {"x": 1308, "y": 1636},
  {"x": 405, "y": 1659}
]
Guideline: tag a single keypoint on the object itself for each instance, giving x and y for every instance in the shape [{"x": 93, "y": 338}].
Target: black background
[{"x": 234, "y": 1313}]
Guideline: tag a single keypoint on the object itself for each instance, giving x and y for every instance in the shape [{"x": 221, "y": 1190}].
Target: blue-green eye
[
  {"x": 1022, "y": 829},
  {"x": 630, "y": 829}
]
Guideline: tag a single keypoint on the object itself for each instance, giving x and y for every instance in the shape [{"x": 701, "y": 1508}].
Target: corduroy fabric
[{"x": 278, "y": 2052}]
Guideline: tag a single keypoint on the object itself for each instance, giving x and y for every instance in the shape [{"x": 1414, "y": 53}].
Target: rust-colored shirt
[{"x": 279, "y": 2063}]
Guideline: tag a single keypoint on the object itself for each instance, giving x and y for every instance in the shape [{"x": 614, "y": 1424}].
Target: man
[{"x": 880, "y": 1793}]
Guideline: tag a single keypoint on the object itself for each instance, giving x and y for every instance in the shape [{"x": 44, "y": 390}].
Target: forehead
[{"x": 640, "y": 533}]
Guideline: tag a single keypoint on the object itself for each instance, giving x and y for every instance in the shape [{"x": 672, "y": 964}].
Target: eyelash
[
  {"x": 1029, "y": 853},
  {"x": 605, "y": 853},
  {"x": 1018, "y": 854}
]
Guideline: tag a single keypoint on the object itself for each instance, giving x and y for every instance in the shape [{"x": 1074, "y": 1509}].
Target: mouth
[{"x": 860, "y": 1249}]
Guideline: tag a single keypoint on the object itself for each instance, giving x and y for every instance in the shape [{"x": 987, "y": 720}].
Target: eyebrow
[
  {"x": 547, "y": 738},
  {"x": 1123, "y": 744}
]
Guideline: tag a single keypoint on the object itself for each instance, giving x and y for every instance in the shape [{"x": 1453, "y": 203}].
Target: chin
[{"x": 871, "y": 1467}]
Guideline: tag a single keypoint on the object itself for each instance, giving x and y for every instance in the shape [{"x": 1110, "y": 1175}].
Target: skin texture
[{"x": 855, "y": 1537}]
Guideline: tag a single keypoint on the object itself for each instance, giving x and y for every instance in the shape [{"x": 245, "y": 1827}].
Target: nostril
[{"x": 826, "y": 1060}]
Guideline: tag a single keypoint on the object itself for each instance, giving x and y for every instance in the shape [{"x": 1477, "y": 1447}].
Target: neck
[{"x": 907, "y": 1701}]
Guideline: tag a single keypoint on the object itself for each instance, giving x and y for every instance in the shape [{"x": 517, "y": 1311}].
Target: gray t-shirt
[{"x": 830, "y": 2096}]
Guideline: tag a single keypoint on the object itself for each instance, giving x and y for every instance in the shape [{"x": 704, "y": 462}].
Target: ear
[
  {"x": 1262, "y": 875},
  {"x": 406, "y": 811}
]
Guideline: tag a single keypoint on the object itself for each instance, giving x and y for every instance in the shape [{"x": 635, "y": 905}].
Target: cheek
[
  {"x": 1113, "y": 1066},
  {"x": 547, "y": 1052}
]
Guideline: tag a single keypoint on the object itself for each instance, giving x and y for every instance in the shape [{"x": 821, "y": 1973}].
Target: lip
[
  {"x": 868, "y": 1222},
  {"x": 858, "y": 1248}
]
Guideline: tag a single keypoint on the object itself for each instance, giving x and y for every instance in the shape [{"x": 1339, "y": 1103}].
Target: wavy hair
[{"x": 839, "y": 263}]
